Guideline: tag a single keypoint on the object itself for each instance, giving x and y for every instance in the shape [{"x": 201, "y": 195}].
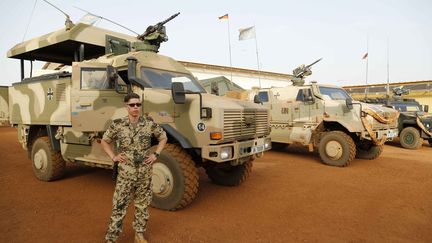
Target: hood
[
  {"x": 385, "y": 112},
  {"x": 229, "y": 103},
  {"x": 380, "y": 113}
]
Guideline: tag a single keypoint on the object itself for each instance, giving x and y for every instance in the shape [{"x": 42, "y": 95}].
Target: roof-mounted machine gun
[
  {"x": 399, "y": 91},
  {"x": 302, "y": 71},
  {"x": 154, "y": 36}
]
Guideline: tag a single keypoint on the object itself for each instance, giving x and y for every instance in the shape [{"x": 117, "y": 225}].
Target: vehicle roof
[{"x": 60, "y": 46}]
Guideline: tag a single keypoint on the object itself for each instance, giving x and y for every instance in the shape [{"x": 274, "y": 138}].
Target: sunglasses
[{"x": 134, "y": 105}]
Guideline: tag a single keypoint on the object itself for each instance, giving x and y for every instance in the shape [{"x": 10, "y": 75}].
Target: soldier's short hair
[{"x": 131, "y": 96}]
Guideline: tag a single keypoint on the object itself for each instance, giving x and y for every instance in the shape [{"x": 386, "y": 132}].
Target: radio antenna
[
  {"x": 68, "y": 23},
  {"x": 98, "y": 16}
]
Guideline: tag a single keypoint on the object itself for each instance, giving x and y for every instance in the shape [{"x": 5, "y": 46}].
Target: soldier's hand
[
  {"x": 121, "y": 158},
  {"x": 150, "y": 159}
]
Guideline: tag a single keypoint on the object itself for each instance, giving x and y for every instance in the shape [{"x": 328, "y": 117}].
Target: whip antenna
[
  {"x": 68, "y": 22},
  {"x": 98, "y": 16}
]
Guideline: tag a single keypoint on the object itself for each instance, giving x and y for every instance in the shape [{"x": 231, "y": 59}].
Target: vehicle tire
[
  {"x": 228, "y": 175},
  {"x": 48, "y": 165},
  {"x": 174, "y": 180},
  {"x": 279, "y": 146},
  {"x": 368, "y": 150},
  {"x": 410, "y": 138},
  {"x": 336, "y": 148}
]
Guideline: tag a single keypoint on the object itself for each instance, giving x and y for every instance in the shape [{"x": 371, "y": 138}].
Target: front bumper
[
  {"x": 236, "y": 152},
  {"x": 390, "y": 133}
]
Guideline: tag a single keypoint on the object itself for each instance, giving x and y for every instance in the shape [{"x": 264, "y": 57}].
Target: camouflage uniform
[{"x": 134, "y": 176}]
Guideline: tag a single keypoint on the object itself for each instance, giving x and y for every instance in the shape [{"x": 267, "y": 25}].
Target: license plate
[
  {"x": 392, "y": 134},
  {"x": 257, "y": 149}
]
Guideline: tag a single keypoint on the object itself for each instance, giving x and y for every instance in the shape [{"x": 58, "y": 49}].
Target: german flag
[{"x": 223, "y": 17}]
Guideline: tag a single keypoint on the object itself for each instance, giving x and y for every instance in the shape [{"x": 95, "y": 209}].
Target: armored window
[
  {"x": 303, "y": 94},
  {"x": 263, "y": 95},
  {"x": 404, "y": 107},
  {"x": 163, "y": 79},
  {"x": 95, "y": 78},
  {"x": 334, "y": 93}
]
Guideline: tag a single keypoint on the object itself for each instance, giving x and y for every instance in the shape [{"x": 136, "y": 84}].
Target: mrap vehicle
[
  {"x": 324, "y": 117},
  {"x": 62, "y": 116},
  {"x": 415, "y": 121}
]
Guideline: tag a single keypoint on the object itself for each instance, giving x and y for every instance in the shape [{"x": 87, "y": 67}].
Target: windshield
[
  {"x": 333, "y": 93},
  {"x": 407, "y": 107},
  {"x": 163, "y": 79}
]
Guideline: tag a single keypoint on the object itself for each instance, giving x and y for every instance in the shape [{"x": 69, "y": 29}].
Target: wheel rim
[
  {"x": 334, "y": 150},
  {"x": 409, "y": 138},
  {"x": 40, "y": 160},
  {"x": 162, "y": 180}
]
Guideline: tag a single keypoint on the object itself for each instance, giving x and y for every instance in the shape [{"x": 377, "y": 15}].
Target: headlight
[
  {"x": 206, "y": 112},
  {"x": 267, "y": 144},
  {"x": 226, "y": 153}
]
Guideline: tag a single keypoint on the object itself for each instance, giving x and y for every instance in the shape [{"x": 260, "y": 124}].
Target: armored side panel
[
  {"x": 4, "y": 106},
  {"x": 41, "y": 101}
]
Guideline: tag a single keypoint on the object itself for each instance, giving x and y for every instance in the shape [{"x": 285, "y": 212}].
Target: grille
[
  {"x": 61, "y": 92},
  {"x": 240, "y": 124}
]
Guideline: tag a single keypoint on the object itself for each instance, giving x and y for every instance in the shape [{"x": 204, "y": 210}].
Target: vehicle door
[{"x": 95, "y": 103}]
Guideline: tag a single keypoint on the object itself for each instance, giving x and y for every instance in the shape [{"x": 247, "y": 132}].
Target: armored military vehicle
[
  {"x": 415, "y": 123},
  {"x": 61, "y": 116},
  {"x": 324, "y": 117}
]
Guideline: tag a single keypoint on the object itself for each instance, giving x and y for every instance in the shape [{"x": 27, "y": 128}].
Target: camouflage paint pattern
[
  {"x": 134, "y": 176},
  {"x": 83, "y": 114},
  {"x": 81, "y": 33},
  {"x": 295, "y": 121},
  {"x": 40, "y": 103}
]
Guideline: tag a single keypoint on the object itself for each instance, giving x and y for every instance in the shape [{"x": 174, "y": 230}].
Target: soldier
[{"x": 132, "y": 136}]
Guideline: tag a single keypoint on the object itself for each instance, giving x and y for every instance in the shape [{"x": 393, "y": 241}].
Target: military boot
[{"x": 139, "y": 238}]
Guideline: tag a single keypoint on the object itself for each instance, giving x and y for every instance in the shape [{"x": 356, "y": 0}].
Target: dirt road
[{"x": 290, "y": 197}]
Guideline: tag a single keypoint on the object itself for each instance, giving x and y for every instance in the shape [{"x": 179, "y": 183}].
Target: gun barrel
[
  {"x": 153, "y": 28},
  {"x": 169, "y": 19},
  {"x": 310, "y": 65}
]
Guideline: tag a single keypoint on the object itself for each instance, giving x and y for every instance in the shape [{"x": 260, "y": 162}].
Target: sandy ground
[{"x": 290, "y": 197}]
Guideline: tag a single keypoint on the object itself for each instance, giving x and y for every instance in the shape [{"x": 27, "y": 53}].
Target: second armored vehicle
[{"x": 326, "y": 118}]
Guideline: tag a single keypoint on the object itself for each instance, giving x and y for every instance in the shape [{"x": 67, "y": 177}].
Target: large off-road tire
[
  {"x": 279, "y": 146},
  {"x": 175, "y": 179},
  {"x": 336, "y": 148},
  {"x": 228, "y": 175},
  {"x": 410, "y": 138},
  {"x": 368, "y": 150},
  {"x": 48, "y": 165}
]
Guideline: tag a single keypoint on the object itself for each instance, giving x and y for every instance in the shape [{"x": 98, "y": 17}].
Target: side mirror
[
  {"x": 132, "y": 62},
  {"x": 349, "y": 104},
  {"x": 426, "y": 108},
  {"x": 178, "y": 93},
  {"x": 257, "y": 99},
  {"x": 112, "y": 77}
]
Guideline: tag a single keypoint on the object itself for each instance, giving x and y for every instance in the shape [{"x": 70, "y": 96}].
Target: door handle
[{"x": 85, "y": 104}]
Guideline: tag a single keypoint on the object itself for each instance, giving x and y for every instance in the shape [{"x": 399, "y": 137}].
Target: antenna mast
[
  {"x": 98, "y": 16},
  {"x": 68, "y": 23}
]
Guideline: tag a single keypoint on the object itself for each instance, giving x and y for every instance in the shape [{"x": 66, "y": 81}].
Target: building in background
[
  {"x": 245, "y": 78},
  {"x": 419, "y": 90},
  {"x": 4, "y": 106}
]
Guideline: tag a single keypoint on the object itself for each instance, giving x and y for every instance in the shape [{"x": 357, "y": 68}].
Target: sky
[{"x": 288, "y": 33}]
